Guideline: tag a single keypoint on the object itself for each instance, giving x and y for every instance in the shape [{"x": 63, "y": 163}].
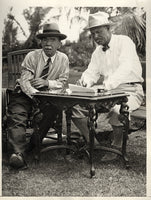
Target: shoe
[
  {"x": 17, "y": 161},
  {"x": 109, "y": 157}
]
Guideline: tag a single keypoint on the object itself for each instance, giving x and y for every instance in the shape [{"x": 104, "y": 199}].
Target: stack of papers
[{"x": 76, "y": 89}]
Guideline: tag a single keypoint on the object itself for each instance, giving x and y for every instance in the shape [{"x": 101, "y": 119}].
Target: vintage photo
[{"x": 74, "y": 101}]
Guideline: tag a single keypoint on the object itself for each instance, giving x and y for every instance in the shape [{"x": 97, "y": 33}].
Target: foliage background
[{"x": 129, "y": 21}]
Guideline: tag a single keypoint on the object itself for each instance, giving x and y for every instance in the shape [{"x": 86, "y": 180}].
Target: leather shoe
[
  {"x": 17, "y": 161},
  {"x": 109, "y": 157}
]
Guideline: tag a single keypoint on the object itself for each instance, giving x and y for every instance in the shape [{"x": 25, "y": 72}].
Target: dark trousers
[{"x": 19, "y": 109}]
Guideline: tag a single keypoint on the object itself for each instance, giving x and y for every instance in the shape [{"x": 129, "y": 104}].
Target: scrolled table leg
[
  {"x": 37, "y": 117},
  {"x": 59, "y": 127},
  {"x": 91, "y": 125},
  {"x": 68, "y": 113},
  {"x": 124, "y": 118}
]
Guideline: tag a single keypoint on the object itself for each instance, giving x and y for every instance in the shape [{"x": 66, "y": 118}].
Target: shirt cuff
[
  {"x": 110, "y": 85},
  {"x": 53, "y": 84}
]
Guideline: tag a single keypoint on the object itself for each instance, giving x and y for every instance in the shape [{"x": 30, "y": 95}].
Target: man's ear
[
  {"x": 39, "y": 43},
  {"x": 108, "y": 27}
]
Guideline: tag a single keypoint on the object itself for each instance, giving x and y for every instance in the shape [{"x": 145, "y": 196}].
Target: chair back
[{"x": 15, "y": 59}]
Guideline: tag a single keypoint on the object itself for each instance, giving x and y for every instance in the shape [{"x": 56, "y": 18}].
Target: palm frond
[{"x": 133, "y": 26}]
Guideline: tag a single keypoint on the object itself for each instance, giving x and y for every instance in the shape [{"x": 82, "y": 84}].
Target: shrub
[{"x": 79, "y": 53}]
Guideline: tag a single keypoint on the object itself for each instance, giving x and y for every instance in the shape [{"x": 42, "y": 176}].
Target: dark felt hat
[{"x": 51, "y": 30}]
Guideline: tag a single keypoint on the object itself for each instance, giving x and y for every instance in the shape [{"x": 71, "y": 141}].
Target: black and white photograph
[{"x": 75, "y": 100}]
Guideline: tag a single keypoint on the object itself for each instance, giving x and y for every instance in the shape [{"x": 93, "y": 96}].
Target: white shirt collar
[
  {"x": 46, "y": 57},
  {"x": 110, "y": 43}
]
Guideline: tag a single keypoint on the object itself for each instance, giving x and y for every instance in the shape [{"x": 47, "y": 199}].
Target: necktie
[
  {"x": 44, "y": 73},
  {"x": 105, "y": 47}
]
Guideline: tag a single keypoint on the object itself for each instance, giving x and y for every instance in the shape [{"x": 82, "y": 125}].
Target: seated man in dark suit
[{"x": 42, "y": 69}]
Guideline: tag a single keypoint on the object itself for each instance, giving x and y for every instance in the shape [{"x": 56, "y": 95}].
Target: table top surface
[{"x": 86, "y": 96}]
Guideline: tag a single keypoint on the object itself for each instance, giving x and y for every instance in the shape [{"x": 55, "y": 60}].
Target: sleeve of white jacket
[
  {"x": 25, "y": 83},
  {"x": 91, "y": 75},
  {"x": 129, "y": 65}
]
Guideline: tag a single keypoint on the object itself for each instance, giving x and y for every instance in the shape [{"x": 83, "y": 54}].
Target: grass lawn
[{"x": 58, "y": 176}]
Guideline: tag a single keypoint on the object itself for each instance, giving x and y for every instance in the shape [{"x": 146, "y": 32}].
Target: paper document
[{"x": 80, "y": 89}]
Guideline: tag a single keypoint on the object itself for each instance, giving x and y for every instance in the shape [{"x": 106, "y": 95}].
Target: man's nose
[
  {"x": 95, "y": 35},
  {"x": 49, "y": 42}
]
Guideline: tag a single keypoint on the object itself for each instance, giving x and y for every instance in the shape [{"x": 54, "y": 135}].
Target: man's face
[
  {"x": 101, "y": 34},
  {"x": 50, "y": 45}
]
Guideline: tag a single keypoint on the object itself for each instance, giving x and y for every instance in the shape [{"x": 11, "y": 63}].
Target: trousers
[
  {"x": 19, "y": 109},
  {"x": 135, "y": 99}
]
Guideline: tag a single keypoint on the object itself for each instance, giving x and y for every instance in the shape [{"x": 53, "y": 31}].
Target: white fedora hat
[{"x": 98, "y": 19}]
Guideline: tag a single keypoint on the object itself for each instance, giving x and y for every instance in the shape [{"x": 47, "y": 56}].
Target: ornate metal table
[{"x": 104, "y": 101}]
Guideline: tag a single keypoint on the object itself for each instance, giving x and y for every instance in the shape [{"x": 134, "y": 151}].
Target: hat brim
[
  {"x": 94, "y": 26},
  {"x": 59, "y": 35}
]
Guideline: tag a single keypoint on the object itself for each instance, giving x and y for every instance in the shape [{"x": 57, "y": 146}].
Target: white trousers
[{"x": 135, "y": 99}]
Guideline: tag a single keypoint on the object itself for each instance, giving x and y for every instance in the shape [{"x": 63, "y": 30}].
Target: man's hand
[
  {"x": 81, "y": 82},
  {"x": 39, "y": 83}
]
